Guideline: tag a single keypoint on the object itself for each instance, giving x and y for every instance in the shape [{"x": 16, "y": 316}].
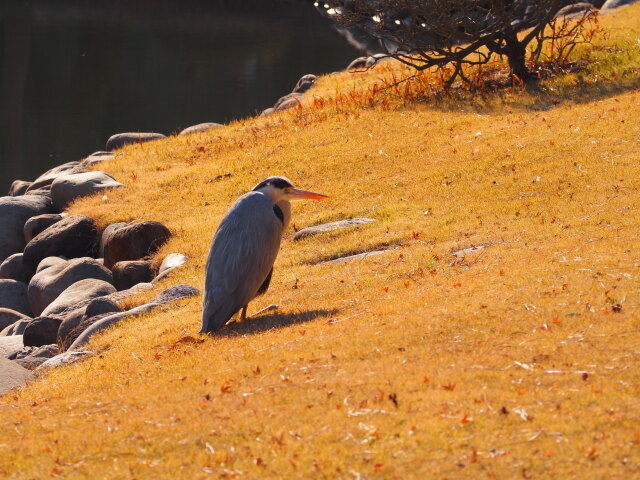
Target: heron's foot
[{"x": 273, "y": 306}]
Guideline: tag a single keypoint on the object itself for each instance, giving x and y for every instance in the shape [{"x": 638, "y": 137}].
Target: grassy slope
[{"x": 508, "y": 363}]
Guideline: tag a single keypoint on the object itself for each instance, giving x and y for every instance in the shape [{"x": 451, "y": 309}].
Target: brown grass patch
[{"x": 519, "y": 360}]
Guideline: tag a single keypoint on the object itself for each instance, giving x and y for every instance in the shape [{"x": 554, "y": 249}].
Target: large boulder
[
  {"x": 18, "y": 187},
  {"x": 67, "y": 188},
  {"x": 170, "y": 295},
  {"x": 74, "y": 325},
  {"x": 305, "y": 83},
  {"x": 95, "y": 158},
  {"x": 14, "y": 213},
  {"x": 13, "y": 268},
  {"x": 41, "y": 331},
  {"x": 120, "y": 140},
  {"x": 9, "y": 317},
  {"x": 107, "y": 234},
  {"x": 38, "y": 224},
  {"x": 47, "y": 178},
  {"x": 77, "y": 296},
  {"x": 49, "y": 283},
  {"x": 12, "y": 375},
  {"x": 50, "y": 262},
  {"x": 201, "y": 127},
  {"x": 73, "y": 237},
  {"x": 128, "y": 273},
  {"x": 13, "y": 295},
  {"x": 134, "y": 242}
]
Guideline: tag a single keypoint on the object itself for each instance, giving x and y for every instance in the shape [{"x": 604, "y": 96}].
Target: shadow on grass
[{"x": 263, "y": 323}]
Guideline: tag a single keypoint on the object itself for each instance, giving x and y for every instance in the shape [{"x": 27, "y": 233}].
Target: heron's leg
[
  {"x": 243, "y": 315},
  {"x": 273, "y": 306}
]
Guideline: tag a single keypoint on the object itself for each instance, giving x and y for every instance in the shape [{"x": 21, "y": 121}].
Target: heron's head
[{"x": 281, "y": 189}]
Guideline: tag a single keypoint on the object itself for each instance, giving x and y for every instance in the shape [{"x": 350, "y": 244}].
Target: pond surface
[{"x": 74, "y": 72}]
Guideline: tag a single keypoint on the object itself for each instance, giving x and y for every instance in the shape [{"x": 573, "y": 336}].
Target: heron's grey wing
[{"x": 242, "y": 254}]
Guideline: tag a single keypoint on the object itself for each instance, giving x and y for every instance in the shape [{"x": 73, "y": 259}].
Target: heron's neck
[{"x": 285, "y": 206}]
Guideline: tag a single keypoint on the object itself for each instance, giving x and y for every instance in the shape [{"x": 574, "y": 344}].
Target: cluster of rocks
[{"x": 62, "y": 279}]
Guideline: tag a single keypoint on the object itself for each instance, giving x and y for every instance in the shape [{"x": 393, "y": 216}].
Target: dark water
[{"x": 72, "y": 73}]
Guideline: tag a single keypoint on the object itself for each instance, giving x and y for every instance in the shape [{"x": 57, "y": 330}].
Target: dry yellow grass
[{"x": 519, "y": 360}]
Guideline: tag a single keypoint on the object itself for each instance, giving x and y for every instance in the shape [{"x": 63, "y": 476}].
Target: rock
[
  {"x": 109, "y": 320},
  {"x": 329, "y": 227},
  {"x": 20, "y": 353},
  {"x": 123, "y": 295},
  {"x": 96, "y": 158},
  {"x": 49, "y": 176},
  {"x": 13, "y": 295},
  {"x": 48, "y": 284},
  {"x": 41, "y": 331},
  {"x": 574, "y": 8},
  {"x": 201, "y": 127},
  {"x": 288, "y": 101},
  {"x": 38, "y": 224},
  {"x": 107, "y": 234},
  {"x": 12, "y": 375},
  {"x": 78, "y": 295},
  {"x": 128, "y": 273},
  {"x": 18, "y": 187},
  {"x": 9, "y": 346},
  {"x": 305, "y": 83},
  {"x": 14, "y": 213},
  {"x": 16, "y": 328},
  {"x": 362, "y": 63},
  {"x": 358, "y": 256},
  {"x": 170, "y": 263},
  {"x": 268, "y": 111},
  {"x": 469, "y": 250},
  {"x": 36, "y": 356},
  {"x": 65, "y": 358},
  {"x": 73, "y": 237},
  {"x": 177, "y": 292},
  {"x": 67, "y": 188},
  {"x": 41, "y": 192},
  {"x": 72, "y": 326},
  {"x": 9, "y": 317},
  {"x": 609, "y": 4},
  {"x": 14, "y": 269},
  {"x": 120, "y": 140},
  {"x": 50, "y": 262},
  {"x": 134, "y": 242},
  {"x": 358, "y": 64}
]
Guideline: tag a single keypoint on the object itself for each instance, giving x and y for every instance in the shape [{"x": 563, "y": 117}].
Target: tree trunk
[{"x": 516, "y": 52}]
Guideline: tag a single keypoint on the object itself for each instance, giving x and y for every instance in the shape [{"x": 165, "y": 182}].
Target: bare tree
[{"x": 438, "y": 33}]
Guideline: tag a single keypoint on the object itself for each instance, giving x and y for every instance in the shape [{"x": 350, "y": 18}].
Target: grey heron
[{"x": 244, "y": 249}]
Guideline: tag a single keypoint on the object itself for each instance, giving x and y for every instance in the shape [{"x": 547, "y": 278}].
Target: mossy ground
[{"x": 518, "y": 360}]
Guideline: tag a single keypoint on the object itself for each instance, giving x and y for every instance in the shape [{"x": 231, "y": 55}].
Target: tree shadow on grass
[{"x": 273, "y": 321}]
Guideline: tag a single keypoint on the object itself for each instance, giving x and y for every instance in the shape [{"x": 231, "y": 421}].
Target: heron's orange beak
[{"x": 300, "y": 194}]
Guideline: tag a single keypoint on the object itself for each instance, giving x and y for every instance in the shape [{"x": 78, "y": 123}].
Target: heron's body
[{"x": 242, "y": 254}]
